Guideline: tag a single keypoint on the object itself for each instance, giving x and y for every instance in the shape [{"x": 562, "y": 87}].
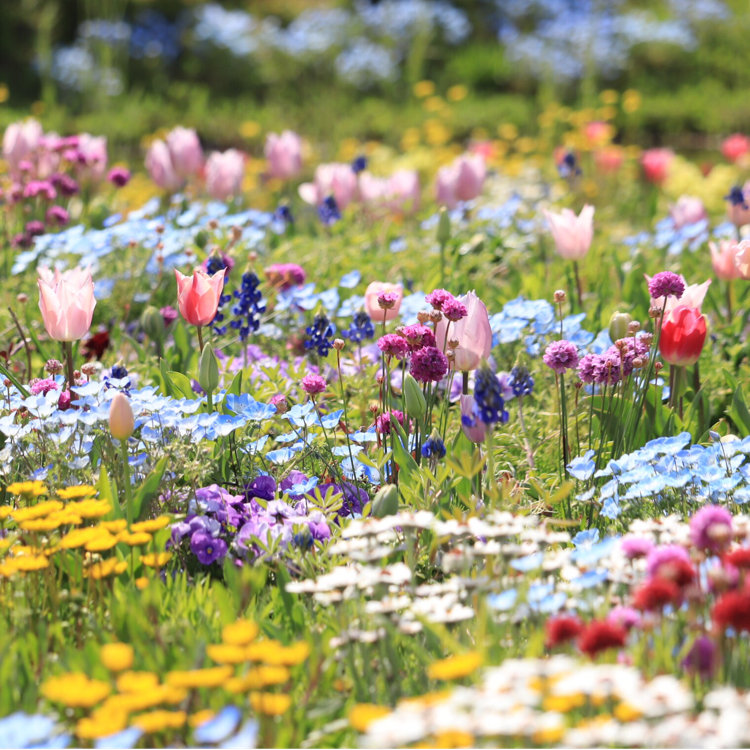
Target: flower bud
[
  {"x": 152, "y": 322},
  {"x": 633, "y": 327},
  {"x": 208, "y": 370},
  {"x": 414, "y": 399},
  {"x": 560, "y": 296},
  {"x": 385, "y": 502},
  {"x": 444, "y": 227},
  {"x": 339, "y": 344},
  {"x": 121, "y": 419},
  {"x": 618, "y": 325}
]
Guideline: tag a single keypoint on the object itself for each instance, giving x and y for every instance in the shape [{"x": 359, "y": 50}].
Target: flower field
[{"x": 315, "y": 437}]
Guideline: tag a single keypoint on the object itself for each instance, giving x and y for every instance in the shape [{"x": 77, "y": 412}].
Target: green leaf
[
  {"x": 181, "y": 384},
  {"x": 739, "y": 412},
  {"x": 148, "y": 490},
  {"x": 167, "y": 386},
  {"x": 108, "y": 491}
]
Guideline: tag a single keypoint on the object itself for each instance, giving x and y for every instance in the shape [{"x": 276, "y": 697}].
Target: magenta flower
[
  {"x": 428, "y": 364},
  {"x": 119, "y": 176},
  {"x": 561, "y": 356},
  {"x": 312, "y": 384},
  {"x": 711, "y": 528},
  {"x": 393, "y": 345},
  {"x": 636, "y": 546},
  {"x": 439, "y": 297},
  {"x": 666, "y": 284}
]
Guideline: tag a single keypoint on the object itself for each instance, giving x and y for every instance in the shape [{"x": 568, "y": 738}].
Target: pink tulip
[
  {"x": 121, "y": 417},
  {"x": 723, "y": 259},
  {"x": 185, "y": 151},
  {"x": 460, "y": 181},
  {"x": 330, "y": 179},
  {"x": 403, "y": 189},
  {"x": 473, "y": 427},
  {"x": 224, "y": 173},
  {"x": 284, "y": 154},
  {"x": 735, "y": 147},
  {"x": 67, "y": 302},
  {"x": 20, "y": 140},
  {"x": 572, "y": 234},
  {"x": 160, "y": 167},
  {"x": 372, "y": 189},
  {"x": 742, "y": 259},
  {"x": 92, "y": 156},
  {"x": 373, "y": 309},
  {"x": 472, "y": 332},
  {"x": 198, "y": 295},
  {"x": 692, "y": 297},
  {"x": 655, "y": 163},
  {"x": 598, "y": 133},
  {"x": 687, "y": 210}
]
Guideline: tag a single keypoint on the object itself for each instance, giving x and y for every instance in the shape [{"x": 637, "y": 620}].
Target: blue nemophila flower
[
  {"x": 433, "y": 447},
  {"x": 250, "y": 306},
  {"x": 328, "y": 211},
  {"x": 488, "y": 397},
  {"x": 582, "y": 467},
  {"x": 359, "y": 164},
  {"x": 361, "y": 328},
  {"x": 320, "y": 335},
  {"x": 521, "y": 381}
]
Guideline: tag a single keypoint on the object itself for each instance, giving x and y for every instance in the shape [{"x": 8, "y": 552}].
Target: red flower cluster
[
  {"x": 738, "y": 558},
  {"x": 732, "y": 610},
  {"x": 562, "y": 629},
  {"x": 600, "y": 635},
  {"x": 656, "y": 594}
]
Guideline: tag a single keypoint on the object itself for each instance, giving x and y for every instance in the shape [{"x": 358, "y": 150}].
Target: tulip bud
[
  {"x": 414, "y": 399},
  {"x": 385, "y": 502},
  {"x": 121, "y": 419},
  {"x": 444, "y": 227},
  {"x": 618, "y": 325},
  {"x": 152, "y": 322},
  {"x": 208, "y": 370}
]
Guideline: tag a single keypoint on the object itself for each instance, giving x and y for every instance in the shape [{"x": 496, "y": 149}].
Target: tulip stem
[
  {"x": 126, "y": 480},
  {"x": 579, "y": 292},
  {"x": 729, "y": 301},
  {"x": 68, "y": 356},
  {"x": 200, "y": 339},
  {"x": 465, "y": 386}
]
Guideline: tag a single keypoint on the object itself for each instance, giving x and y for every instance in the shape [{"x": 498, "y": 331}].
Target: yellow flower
[
  {"x": 136, "y": 682},
  {"x": 75, "y": 690},
  {"x": 105, "y": 568},
  {"x": 363, "y": 714},
  {"x": 30, "y": 562},
  {"x": 41, "y": 524},
  {"x": 28, "y": 489},
  {"x": 150, "y": 526},
  {"x": 423, "y": 89},
  {"x": 270, "y": 704},
  {"x": 114, "y": 526},
  {"x": 453, "y": 738},
  {"x": 158, "y": 721},
  {"x": 287, "y": 655},
  {"x": 249, "y": 129},
  {"x": 90, "y": 508},
  {"x": 65, "y": 517},
  {"x": 631, "y": 101},
  {"x": 141, "y": 583},
  {"x": 455, "y": 667},
  {"x": 225, "y": 653},
  {"x": 156, "y": 560},
  {"x": 197, "y": 678},
  {"x": 36, "y": 511},
  {"x": 563, "y": 703},
  {"x": 201, "y": 717},
  {"x": 457, "y": 93},
  {"x": 507, "y": 131},
  {"x": 134, "y": 540},
  {"x": 116, "y": 657},
  {"x": 259, "y": 650},
  {"x": 79, "y": 537},
  {"x": 101, "y": 542},
  {"x": 76, "y": 491},
  {"x": 257, "y": 678},
  {"x": 4, "y": 93},
  {"x": 428, "y": 699},
  {"x": 549, "y": 735},
  {"x": 239, "y": 633},
  {"x": 626, "y": 712},
  {"x": 7, "y": 569},
  {"x": 101, "y": 723},
  {"x": 609, "y": 96},
  {"x": 5, "y": 511}
]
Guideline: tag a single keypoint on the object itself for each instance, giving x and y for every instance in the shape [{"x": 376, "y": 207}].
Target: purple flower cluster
[
  {"x": 615, "y": 364},
  {"x": 561, "y": 356},
  {"x": 428, "y": 365},
  {"x": 666, "y": 284}
]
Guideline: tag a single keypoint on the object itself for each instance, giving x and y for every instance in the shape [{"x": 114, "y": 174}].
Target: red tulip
[{"x": 683, "y": 334}]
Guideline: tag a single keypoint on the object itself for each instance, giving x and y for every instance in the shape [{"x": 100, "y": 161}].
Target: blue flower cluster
[{"x": 250, "y": 306}]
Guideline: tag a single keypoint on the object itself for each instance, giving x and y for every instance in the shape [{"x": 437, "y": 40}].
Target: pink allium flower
[
  {"x": 572, "y": 234},
  {"x": 119, "y": 176},
  {"x": 43, "y": 386},
  {"x": 625, "y": 617},
  {"x": 312, "y": 384},
  {"x": 280, "y": 402},
  {"x": 587, "y": 367},
  {"x": 393, "y": 345},
  {"x": 666, "y": 284},
  {"x": 387, "y": 300},
  {"x": 438, "y": 297},
  {"x": 372, "y": 308},
  {"x": 57, "y": 215},
  {"x": 561, "y": 356},
  {"x": 285, "y": 275},
  {"x": 428, "y": 365},
  {"x": 711, "y": 528},
  {"x": 383, "y": 422},
  {"x": 636, "y": 546},
  {"x": 454, "y": 310},
  {"x": 417, "y": 336}
]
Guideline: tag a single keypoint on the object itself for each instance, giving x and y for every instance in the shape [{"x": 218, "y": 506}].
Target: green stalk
[{"x": 126, "y": 480}]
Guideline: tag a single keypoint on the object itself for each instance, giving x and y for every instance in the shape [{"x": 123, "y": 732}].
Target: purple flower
[
  {"x": 428, "y": 364},
  {"x": 666, "y": 555},
  {"x": 318, "y": 526},
  {"x": 438, "y": 297},
  {"x": 702, "y": 658},
  {"x": 666, "y": 284},
  {"x": 625, "y": 617},
  {"x": 263, "y": 487},
  {"x": 561, "y": 356},
  {"x": 711, "y": 528},
  {"x": 636, "y": 546},
  {"x": 119, "y": 176},
  {"x": 354, "y": 497},
  {"x": 169, "y": 315},
  {"x": 454, "y": 310},
  {"x": 207, "y": 548},
  {"x": 587, "y": 367},
  {"x": 313, "y": 384},
  {"x": 393, "y": 345},
  {"x": 57, "y": 215}
]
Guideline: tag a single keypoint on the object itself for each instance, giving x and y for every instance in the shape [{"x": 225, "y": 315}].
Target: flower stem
[
  {"x": 127, "y": 490},
  {"x": 68, "y": 350},
  {"x": 200, "y": 338}
]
